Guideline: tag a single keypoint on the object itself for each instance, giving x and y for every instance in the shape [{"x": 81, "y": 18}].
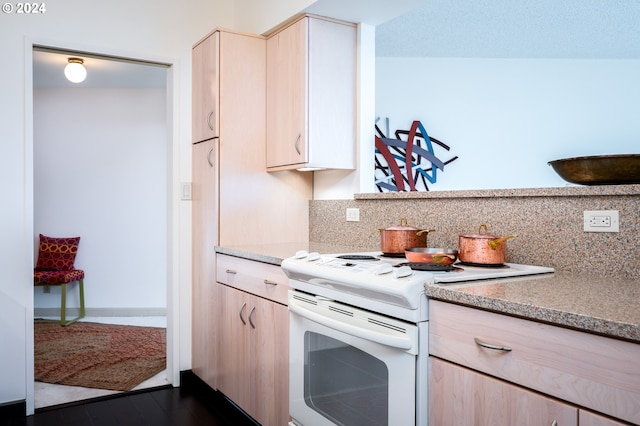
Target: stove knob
[
  {"x": 403, "y": 271},
  {"x": 385, "y": 268},
  {"x": 313, "y": 256},
  {"x": 301, "y": 254}
]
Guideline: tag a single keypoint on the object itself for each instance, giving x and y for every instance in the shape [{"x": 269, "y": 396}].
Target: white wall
[
  {"x": 100, "y": 172},
  {"x": 506, "y": 118},
  {"x": 259, "y": 16},
  {"x": 131, "y": 28}
]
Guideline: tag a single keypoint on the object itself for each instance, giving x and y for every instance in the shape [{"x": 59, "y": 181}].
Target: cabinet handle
[
  {"x": 231, "y": 271},
  {"x": 554, "y": 423},
  {"x": 251, "y": 317},
  {"x": 490, "y": 346},
  {"x": 241, "y": 311},
  {"x": 297, "y": 144},
  {"x": 209, "y": 120},
  {"x": 269, "y": 282},
  {"x": 209, "y": 156}
]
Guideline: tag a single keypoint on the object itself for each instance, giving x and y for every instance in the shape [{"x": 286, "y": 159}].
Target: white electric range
[
  {"x": 382, "y": 284},
  {"x": 358, "y": 336}
]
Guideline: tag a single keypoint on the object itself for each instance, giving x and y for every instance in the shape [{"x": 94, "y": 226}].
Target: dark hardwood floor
[{"x": 192, "y": 404}]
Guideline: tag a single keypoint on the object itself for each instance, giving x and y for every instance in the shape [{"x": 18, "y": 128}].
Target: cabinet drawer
[
  {"x": 596, "y": 372},
  {"x": 459, "y": 396},
  {"x": 261, "y": 279}
]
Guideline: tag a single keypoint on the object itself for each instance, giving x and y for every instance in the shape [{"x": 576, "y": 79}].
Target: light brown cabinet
[
  {"x": 460, "y": 396},
  {"x": 204, "y": 197},
  {"x": 311, "y": 95},
  {"x": 234, "y": 200},
  {"x": 252, "y": 366},
  {"x": 598, "y": 373},
  {"x": 204, "y": 100}
]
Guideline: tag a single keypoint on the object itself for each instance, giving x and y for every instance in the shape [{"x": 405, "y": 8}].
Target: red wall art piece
[{"x": 407, "y": 164}]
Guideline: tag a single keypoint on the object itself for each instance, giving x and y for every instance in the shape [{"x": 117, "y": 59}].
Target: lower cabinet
[
  {"x": 252, "y": 365},
  {"x": 460, "y": 396},
  {"x": 492, "y": 369}
]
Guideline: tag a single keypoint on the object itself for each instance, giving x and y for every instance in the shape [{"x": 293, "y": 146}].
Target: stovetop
[{"x": 384, "y": 284}]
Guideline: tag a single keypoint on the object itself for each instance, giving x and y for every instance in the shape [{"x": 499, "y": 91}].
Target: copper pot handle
[
  {"x": 495, "y": 243},
  {"x": 425, "y": 230}
]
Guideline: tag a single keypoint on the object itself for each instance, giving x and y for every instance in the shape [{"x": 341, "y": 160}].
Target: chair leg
[{"x": 63, "y": 307}]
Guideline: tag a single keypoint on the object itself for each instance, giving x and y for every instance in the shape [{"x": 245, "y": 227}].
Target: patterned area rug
[{"x": 92, "y": 355}]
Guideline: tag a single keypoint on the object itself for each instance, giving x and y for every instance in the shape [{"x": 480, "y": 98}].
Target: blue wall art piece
[{"x": 408, "y": 162}]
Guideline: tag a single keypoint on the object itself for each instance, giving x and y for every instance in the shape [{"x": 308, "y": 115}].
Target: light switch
[{"x": 185, "y": 190}]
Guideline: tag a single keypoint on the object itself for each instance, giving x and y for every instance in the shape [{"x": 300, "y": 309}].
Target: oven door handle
[{"x": 400, "y": 342}]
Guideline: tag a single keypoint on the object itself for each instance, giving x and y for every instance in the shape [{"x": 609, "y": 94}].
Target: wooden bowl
[{"x": 599, "y": 169}]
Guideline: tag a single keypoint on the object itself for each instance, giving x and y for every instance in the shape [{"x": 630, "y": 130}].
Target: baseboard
[
  {"x": 13, "y": 410},
  {"x": 102, "y": 312}
]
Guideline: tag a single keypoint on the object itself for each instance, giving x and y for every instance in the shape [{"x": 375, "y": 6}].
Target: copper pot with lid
[
  {"x": 396, "y": 239},
  {"x": 483, "y": 248}
]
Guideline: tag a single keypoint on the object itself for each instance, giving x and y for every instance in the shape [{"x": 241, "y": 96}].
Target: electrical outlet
[
  {"x": 601, "y": 221},
  {"x": 353, "y": 215}
]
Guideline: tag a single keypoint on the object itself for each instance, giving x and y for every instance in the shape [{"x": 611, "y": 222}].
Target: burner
[
  {"x": 485, "y": 265},
  {"x": 435, "y": 267},
  {"x": 357, "y": 257},
  {"x": 393, "y": 255}
]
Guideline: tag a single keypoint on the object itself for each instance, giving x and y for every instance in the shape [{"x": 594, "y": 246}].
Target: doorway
[{"x": 101, "y": 162}]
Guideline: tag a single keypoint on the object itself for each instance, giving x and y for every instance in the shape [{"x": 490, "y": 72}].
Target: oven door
[{"x": 349, "y": 366}]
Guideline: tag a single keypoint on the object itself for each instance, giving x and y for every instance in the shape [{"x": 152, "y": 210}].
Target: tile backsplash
[{"x": 548, "y": 221}]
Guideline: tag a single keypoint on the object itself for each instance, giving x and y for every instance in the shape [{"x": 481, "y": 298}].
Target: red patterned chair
[{"x": 55, "y": 266}]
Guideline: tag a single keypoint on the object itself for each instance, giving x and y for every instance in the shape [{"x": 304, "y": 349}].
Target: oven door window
[{"x": 343, "y": 383}]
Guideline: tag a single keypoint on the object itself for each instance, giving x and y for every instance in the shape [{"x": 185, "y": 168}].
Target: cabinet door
[
  {"x": 286, "y": 96},
  {"x": 253, "y": 358},
  {"x": 205, "y": 81},
  {"x": 233, "y": 378},
  {"x": 205, "y": 233},
  {"x": 270, "y": 362},
  {"x": 459, "y": 396},
  {"x": 587, "y": 418}
]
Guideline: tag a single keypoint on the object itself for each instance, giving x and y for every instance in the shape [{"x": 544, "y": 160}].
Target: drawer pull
[
  {"x": 231, "y": 271},
  {"x": 554, "y": 423},
  {"x": 241, "y": 311},
  {"x": 251, "y": 317},
  {"x": 269, "y": 282},
  {"x": 490, "y": 346}
]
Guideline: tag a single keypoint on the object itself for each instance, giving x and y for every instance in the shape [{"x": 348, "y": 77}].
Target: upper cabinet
[
  {"x": 311, "y": 95},
  {"x": 205, "y": 72}
]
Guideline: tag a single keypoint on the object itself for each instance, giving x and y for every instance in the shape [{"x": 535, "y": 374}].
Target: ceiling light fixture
[{"x": 75, "y": 71}]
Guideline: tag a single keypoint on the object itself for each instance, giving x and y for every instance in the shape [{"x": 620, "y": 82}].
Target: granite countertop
[{"x": 588, "y": 303}]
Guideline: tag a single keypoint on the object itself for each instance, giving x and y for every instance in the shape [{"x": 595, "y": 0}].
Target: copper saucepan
[
  {"x": 396, "y": 239},
  {"x": 483, "y": 248}
]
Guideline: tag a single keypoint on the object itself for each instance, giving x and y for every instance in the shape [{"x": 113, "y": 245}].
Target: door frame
[{"x": 174, "y": 225}]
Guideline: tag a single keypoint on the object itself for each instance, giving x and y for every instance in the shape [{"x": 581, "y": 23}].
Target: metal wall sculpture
[{"x": 407, "y": 165}]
